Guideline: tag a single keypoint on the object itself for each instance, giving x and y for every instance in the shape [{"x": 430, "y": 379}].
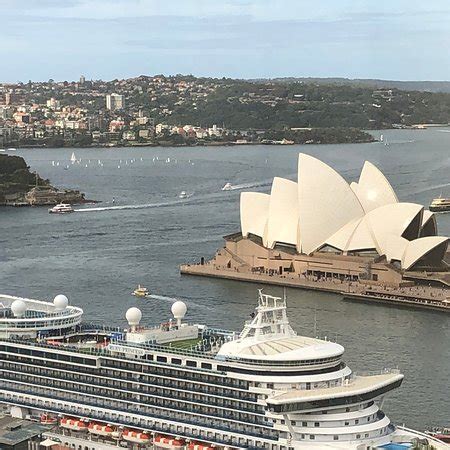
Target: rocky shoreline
[{"x": 20, "y": 187}]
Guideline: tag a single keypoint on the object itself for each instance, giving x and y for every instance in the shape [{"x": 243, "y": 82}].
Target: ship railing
[
  {"x": 117, "y": 410},
  {"x": 371, "y": 373}
]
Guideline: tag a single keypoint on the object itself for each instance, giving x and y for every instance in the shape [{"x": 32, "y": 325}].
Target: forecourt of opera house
[{"x": 322, "y": 232}]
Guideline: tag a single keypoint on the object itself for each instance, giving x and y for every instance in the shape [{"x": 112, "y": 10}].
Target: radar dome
[
  {"x": 18, "y": 308},
  {"x": 60, "y": 302},
  {"x": 133, "y": 316},
  {"x": 179, "y": 309}
]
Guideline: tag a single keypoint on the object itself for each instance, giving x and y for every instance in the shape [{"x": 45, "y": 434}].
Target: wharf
[{"x": 428, "y": 297}]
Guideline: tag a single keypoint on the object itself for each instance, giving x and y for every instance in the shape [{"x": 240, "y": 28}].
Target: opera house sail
[{"x": 322, "y": 227}]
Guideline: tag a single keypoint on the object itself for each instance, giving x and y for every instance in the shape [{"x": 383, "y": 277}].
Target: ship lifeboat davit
[
  {"x": 199, "y": 446},
  {"x": 168, "y": 442},
  {"x": 73, "y": 424},
  {"x": 100, "y": 429},
  {"x": 136, "y": 436},
  {"x": 47, "y": 420}
]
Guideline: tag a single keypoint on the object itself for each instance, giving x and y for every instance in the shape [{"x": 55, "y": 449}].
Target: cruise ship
[{"x": 189, "y": 386}]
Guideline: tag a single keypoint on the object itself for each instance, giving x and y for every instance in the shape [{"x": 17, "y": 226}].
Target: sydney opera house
[{"x": 322, "y": 226}]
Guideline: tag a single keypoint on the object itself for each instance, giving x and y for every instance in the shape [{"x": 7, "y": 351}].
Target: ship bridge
[{"x": 268, "y": 338}]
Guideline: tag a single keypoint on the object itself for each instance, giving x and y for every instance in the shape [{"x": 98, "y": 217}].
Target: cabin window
[
  {"x": 161, "y": 359},
  {"x": 191, "y": 363},
  {"x": 336, "y": 438}
]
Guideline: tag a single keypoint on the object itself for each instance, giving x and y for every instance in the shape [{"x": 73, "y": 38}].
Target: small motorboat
[
  {"x": 61, "y": 208},
  {"x": 227, "y": 187},
  {"x": 183, "y": 194},
  {"x": 141, "y": 291}
]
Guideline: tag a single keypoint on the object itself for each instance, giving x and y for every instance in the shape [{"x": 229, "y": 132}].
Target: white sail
[{"x": 73, "y": 158}]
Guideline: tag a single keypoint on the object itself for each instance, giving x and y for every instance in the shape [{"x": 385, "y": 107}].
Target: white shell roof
[
  {"x": 294, "y": 348},
  {"x": 373, "y": 189},
  {"x": 326, "y": 202},
  {"x": 254, "y": 213},
  {"x": 391, "y": 219},
  {"x": 418, "y": 248},
  {"x": 323, "y": 209},
  {"x": 282, "y": 224}
]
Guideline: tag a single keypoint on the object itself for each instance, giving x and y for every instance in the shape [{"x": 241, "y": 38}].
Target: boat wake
[
  {"x": 429, "y": 188},
  {"x": 163, "y": 297},
  {"x": 124, "y": 207}
]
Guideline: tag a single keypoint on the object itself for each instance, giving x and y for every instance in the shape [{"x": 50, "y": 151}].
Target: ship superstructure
[{"x": 184, "y": 385}]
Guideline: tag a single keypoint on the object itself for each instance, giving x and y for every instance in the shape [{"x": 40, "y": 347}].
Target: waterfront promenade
[{"x": 429, "y": 297}]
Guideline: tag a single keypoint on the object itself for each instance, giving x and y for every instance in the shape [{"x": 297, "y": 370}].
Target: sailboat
[{"x": 73, "y": 158}]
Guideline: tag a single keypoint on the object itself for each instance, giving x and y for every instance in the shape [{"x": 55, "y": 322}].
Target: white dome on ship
[
  {"x": 61, "y": 302},
  {"x": 133, "y": 316},
  {"x": 18, "y": 308},
  {"x": 179, "y": 309}
]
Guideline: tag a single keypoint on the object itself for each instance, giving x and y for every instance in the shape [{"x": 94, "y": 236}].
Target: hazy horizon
[{"x": 244, "y": 39}]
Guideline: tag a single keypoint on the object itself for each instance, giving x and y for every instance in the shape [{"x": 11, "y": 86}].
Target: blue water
[{"x": 97, "y": 257}]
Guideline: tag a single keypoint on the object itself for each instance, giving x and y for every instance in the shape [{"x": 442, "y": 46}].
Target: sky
[{"x": 108, "y": 39}]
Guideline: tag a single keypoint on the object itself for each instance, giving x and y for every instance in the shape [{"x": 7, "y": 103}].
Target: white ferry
[
  {"x": 188, "y": 386},
  {"x": 61, "y": 208},
  {"x": 440, "y": 204},
  {"x": 227, "y": 187}
]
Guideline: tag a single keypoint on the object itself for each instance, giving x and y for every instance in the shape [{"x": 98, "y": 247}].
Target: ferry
[
  {"x": 61, "y": 208},
  {"x": 190, "y": 386},
  {"x": 440, "y": 204},
  {"x": 227, "y": 187},
  {"x": 141, "y": 291}
]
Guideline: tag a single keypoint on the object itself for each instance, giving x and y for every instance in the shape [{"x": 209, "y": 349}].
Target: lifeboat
[
  {"x": 136, "y": 436},
  {"x": 168, "y": 442},
  {"x": 73, "y": 424},
  {"x": 199, "y": 446},
  {"x": 100, "y": 429},
  {"x": 47, "y": 420}
]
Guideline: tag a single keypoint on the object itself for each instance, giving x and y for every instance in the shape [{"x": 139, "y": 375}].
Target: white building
[
  {"x": 321, "y": 210},
  {"x": 115, "y": 101}
]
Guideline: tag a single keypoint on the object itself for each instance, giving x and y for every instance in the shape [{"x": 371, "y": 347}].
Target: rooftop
[{"x": 14, "y": 431}]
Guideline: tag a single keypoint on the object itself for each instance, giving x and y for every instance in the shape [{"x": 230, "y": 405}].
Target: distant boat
[
  {"x": 11, "y": 149},
  {"x": 381, "y": 138},
  {"x": 73, "y": 158},
  {"x": 227, "y": 187},
  {"x": 61, "y": 208},
  {"x": 66, "y": 168},
  {"x": 57, "y": 163},
  {"x": 183, "y": 194},
  {"x": 53, "y": 163}
]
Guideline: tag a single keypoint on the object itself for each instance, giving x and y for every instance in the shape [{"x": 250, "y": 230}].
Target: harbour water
[{"x": 97, "y": 256}]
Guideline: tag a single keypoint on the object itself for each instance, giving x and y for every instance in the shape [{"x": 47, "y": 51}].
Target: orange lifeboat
[
  {"x": 136, "y": 436},
  {"x": 100, "y": 429},
  {"x": 47, "y": 420},
  {"x": 73, "y": 424},
  {"x": 168, "y": 442},
  {"x": 199, "y": 446}
]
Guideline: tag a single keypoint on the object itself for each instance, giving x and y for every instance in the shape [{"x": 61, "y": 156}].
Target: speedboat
[
  {"x": 61, "y": 208},
  {"x": 183, "y": 194},
  {"x": 440, "y": 204},
  {"x": 227, "y": 187},
  {"x": 141, "y": 291}
]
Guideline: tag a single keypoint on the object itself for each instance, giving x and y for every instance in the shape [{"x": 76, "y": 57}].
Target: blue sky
[{"x": 388, "y": 39}]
